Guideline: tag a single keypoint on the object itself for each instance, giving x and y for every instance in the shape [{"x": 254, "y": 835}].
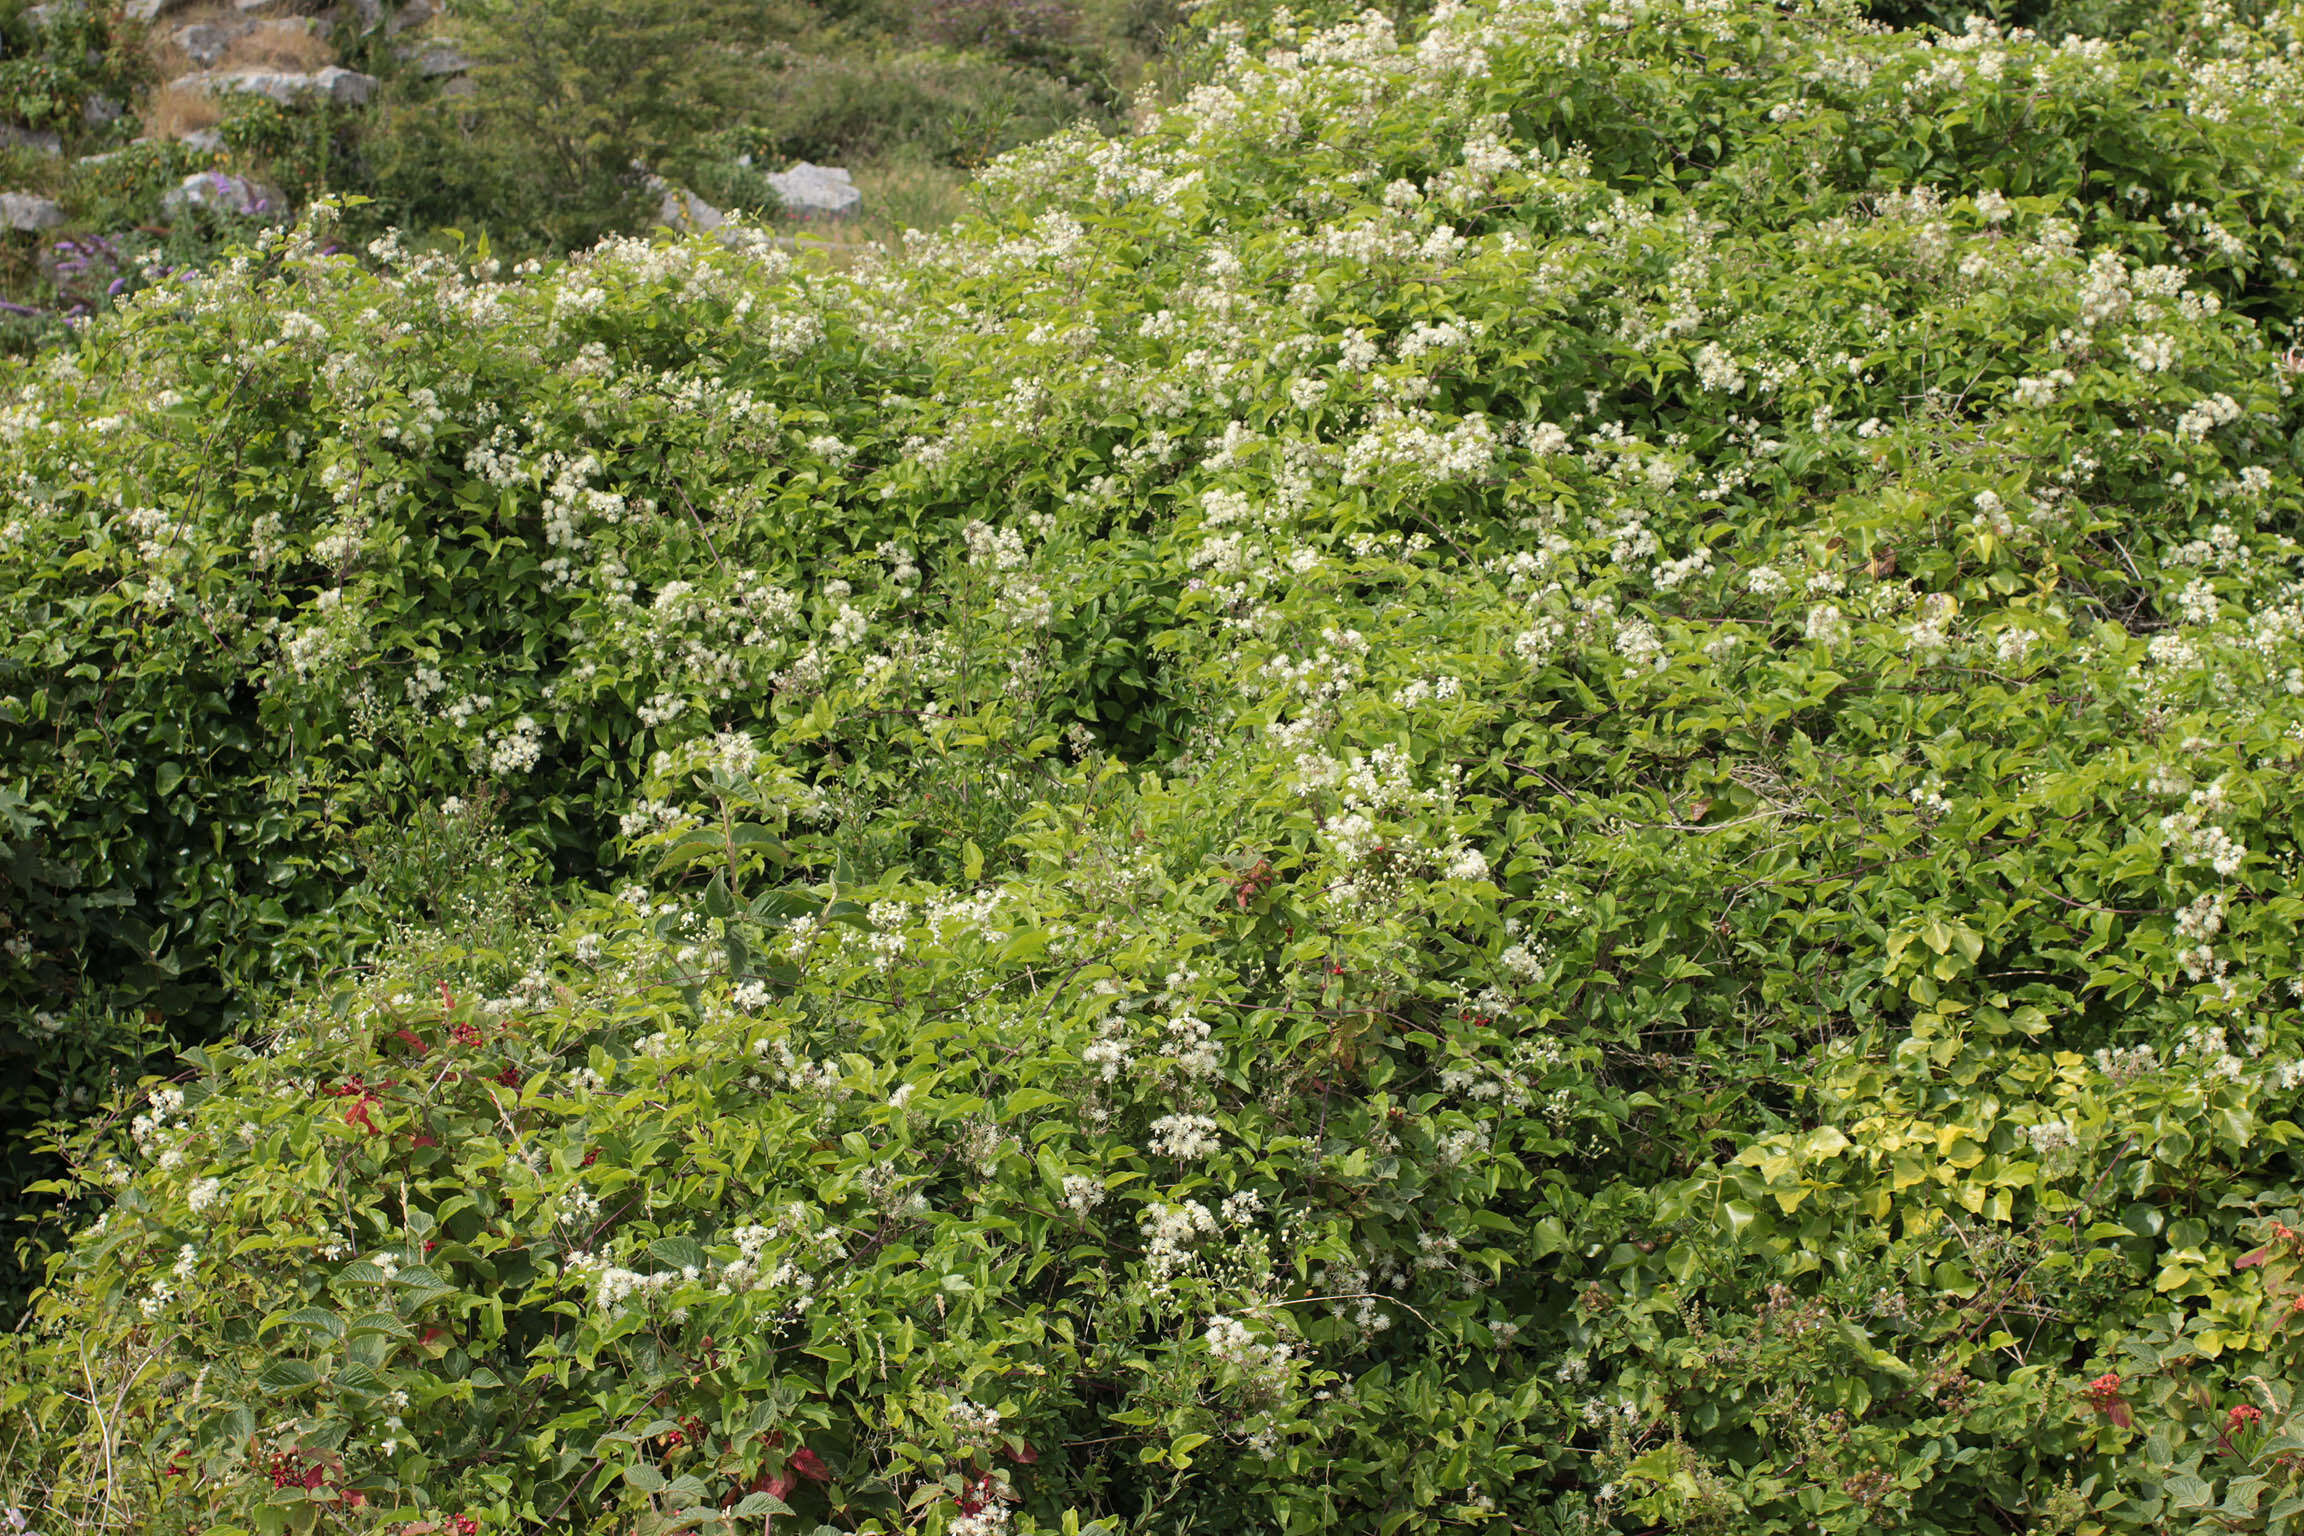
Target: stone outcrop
[
  {"x": 39, "y": 139},
  {"x": 207, "y": 43},
  {"x": 816, "y": 191},
  {"x": 29, "y": 210},
  {"x": 234, "y": 194},
  {"x": 685, "y": 211},
  {"x": 346, "y": 87},
  {"x": 436, "y": 56}
]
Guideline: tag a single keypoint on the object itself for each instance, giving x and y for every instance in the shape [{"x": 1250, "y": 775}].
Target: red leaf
[
  {"x": 811, "y": 1466},
  {"x": 1021, "y": 1450},
  {"x": 2251, "y": 1260},
  {"x": 2118, "y": 1413}
]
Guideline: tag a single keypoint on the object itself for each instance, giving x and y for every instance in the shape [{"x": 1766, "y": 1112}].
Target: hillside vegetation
[
  {"x": 536, "y": 125},
  {"x": 1539, "y": 774}
]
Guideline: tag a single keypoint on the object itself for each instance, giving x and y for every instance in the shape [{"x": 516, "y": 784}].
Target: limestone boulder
[
  {"x": 206, "y": 42},
  {"x": 816, "y": 191},
  {"x": 436, "y": 56},
  {"x": 40, "y": 140},
  {"x": 241, "y": 195},
  {"x": 346, "y": 87},
  {"x": 29, "y": 211},
  {"x": 683, "y": 210}
]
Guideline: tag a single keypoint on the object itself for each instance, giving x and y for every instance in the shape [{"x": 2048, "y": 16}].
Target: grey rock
[
  {"x": 677, "y": 206},
  {"x": 234, "y": 194},
  {"x": 96, "y": 111},
  {"x": 206, "y": 140},
  {"x": 437, "y": 56},
  {"x": 824, "y": 191},
  {"x": 348, "y": 87},
  {"x": 42, "y": 15},
  {"x": 685, "y": 211},
  {"x": 205, "y": 42},
  {"x": 41, "y": 139},
  {"x": 152, "y": 10},
  {"x": 27, "y": 210},
  {"x": 409, "y": 13}
]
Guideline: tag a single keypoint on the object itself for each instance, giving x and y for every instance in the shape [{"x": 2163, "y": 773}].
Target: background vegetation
[{"x": 547, "y": 134}]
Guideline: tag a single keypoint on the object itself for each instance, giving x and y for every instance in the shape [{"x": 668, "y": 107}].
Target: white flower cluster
[
  {"x": 1266, "y": 1366},
  {"x": 2051, "y": 1138},
  {"x": 158, "y": 1130},
  {"x": 2193, "y": 839},
  {"x": 1187, "y": 1138},
  {"x": 1082, "y": 1194},
  {"x": 1170, "y": 1231},
  {"x": 514, "y": 749}
]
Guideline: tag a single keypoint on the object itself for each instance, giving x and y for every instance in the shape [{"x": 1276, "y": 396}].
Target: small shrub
[
  {"x": 308, "y": 149},
  {"x": 48, "y": 72}
]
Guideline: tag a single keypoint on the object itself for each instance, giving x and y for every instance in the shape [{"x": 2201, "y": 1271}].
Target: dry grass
[
  {"x": 285, "y": 43},
  {"x": 293, "y": 44},
  {"x": 176, "y": 110},
  {"x": 168, "y": 60}
]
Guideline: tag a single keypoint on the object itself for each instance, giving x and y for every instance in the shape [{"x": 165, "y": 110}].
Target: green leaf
[
  {"x": 679, "y": 1253},
  {"x": 759, "y": 1504},
  {"x": 317, "y": 1318},
  {"x": 285, "y": 1373}
]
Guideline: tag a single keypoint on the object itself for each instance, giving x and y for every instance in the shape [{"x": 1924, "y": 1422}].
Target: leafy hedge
[{"x": 1538, "y": 773}]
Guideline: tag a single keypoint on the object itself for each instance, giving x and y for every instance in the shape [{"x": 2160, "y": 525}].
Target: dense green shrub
[
  {"x": 49, "y": 70},
  {"x": 123, "y": 189},
  {"x": 568, "y": 96},
  {"x": 1543, "y": 773},
  {"x": 306, "y": 149}
]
